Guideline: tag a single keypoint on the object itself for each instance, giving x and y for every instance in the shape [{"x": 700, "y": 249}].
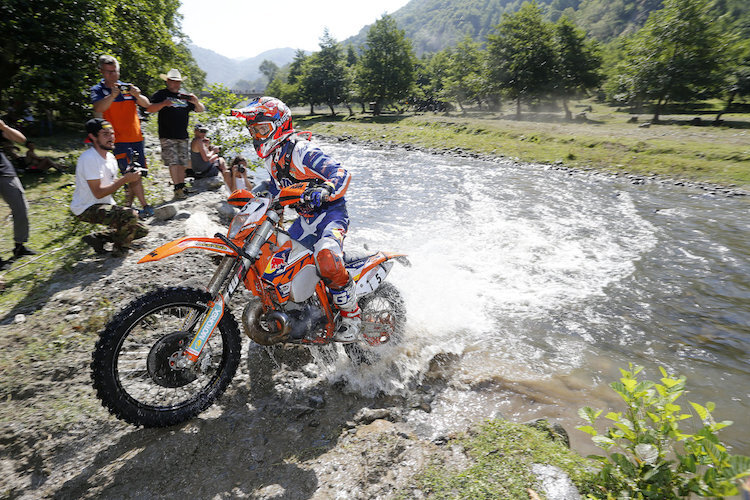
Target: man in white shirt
[{"x": 96, "y": 182}]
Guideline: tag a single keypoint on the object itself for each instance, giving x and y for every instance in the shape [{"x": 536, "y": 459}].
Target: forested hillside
[{"x": 433, "y": 25}]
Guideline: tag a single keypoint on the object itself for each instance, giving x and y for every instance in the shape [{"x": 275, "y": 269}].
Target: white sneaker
[{"x": 348, "y": 330}]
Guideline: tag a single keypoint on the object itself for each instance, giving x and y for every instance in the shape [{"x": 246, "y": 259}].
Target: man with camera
[
  {"x": 96, "y": 182},
  {"x": 174, "y": 107},
  {"x": 117, "y": 102}
]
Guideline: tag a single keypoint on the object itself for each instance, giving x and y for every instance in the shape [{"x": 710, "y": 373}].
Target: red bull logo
[{"x": 276, "y": 262}]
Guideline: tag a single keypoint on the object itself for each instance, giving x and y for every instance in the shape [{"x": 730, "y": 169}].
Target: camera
[
  {"x": 135, "y": 164},
  {"x": 124, "y": 87},
  {"x": 240, "y": 169},
  {"x": 182, "y": 95}
]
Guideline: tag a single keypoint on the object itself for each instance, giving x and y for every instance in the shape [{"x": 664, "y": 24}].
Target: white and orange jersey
[{"x": 300, "y": 161}]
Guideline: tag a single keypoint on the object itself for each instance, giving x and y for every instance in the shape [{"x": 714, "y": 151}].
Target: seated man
[
  {"x": 205, "y": 161},
  {"x": 35, "y": 163},
  {"x": 96, "y": 182}
]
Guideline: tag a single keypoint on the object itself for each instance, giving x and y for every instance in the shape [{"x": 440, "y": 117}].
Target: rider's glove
[{"x": 316, "y": 196}]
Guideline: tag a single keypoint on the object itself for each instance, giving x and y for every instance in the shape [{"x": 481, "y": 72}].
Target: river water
[{"x": 535, "y": 285}]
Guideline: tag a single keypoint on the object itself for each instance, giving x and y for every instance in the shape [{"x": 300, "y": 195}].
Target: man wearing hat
[
  {"x": 96, "y": 182},
  {"x": 174, "y": 108}
]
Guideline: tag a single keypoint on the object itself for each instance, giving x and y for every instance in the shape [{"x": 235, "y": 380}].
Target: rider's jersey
[{"x": 307, "y": 163}]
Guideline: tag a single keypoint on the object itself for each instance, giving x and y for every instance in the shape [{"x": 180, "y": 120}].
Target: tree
[
  {"x": 326, "y": 77},
  {"x": 269, "y": 69},
  {"x": 520, "y": 56},
  {"x": 386, "y": 66},
  {"x": 49, "y": 50},
  {"x": 679, "y": 55},
  {"x": 578, "y": 62},
  {"x": 463, "y": 79}
]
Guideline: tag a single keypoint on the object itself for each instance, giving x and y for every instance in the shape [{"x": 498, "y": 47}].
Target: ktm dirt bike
[{"x": 170, "y": 353}]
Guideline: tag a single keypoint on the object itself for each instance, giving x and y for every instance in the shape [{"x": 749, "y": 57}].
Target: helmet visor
[{"x": 260, "y": 131}]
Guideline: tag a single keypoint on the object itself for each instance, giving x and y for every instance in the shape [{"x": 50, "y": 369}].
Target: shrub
[{"x": 649, "y": 455}]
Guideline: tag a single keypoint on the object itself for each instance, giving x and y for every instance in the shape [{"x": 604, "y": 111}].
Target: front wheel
[
  {"x": 133, "y": 365},
  {"x": 383, "y": 321}
]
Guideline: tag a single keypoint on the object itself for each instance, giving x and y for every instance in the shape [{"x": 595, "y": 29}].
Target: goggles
[{"x": 260, "y": 131}]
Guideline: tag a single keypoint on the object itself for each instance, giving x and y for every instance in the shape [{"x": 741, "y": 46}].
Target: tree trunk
[
  {"x": 518, "y": 108},
  {"x": 726, "y": 108},
  {"x": 312, "y": 109},
  {"x": 657, "y": 111},
  {"x": 568, "y": 114},
  {"x": 333, "y": 112},
  {"x": 364, "y": 110},
  {"x": 461, "y": 106},
  {"x": 346, "y": 103},
  {"x": 376, "y": 110}
]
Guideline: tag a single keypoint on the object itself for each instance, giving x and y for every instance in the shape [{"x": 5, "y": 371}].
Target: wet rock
[
  {"x": 369, "y": 415},
  {"x": 182, "y": 215},
  {"x": 19, "y": 318},
  {"x": 317, "y": 401},
  {"x": 226, "y": 210},
  {"x": 556, "y": 484},
  {"x": 554, "y": 430}
]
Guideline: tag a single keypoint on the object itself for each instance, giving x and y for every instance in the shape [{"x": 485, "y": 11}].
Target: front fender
[{"x": 177, "y": 246}]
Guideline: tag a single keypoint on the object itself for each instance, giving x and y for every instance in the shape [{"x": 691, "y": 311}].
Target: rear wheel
[
  {"x": 383, "y": 321},
  {"x": 135, "y": 363}
]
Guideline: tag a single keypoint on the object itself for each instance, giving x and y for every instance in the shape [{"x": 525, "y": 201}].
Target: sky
[{"x": 246, "y": 28}]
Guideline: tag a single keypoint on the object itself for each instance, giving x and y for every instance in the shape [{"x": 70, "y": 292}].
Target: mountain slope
[{"x": 221, "y": 69}]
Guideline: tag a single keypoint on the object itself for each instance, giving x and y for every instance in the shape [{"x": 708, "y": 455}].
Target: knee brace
[{"x": 331, "y": 269}]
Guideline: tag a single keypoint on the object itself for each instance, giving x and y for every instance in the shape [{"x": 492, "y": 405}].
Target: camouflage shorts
[
  {"x": 174, "y": 152},
  {"x": 124, "y": 226}
]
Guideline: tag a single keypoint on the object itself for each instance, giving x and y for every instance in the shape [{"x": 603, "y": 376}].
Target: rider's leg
[{"x": 329, "y": 259}]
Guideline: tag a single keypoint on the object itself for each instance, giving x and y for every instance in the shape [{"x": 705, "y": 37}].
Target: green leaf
[
  {"x": 647, "y": 453},
  {"x": 603, "y": 442},
  {"x": 701, "y": 411},
  {"x": 589, "y": 414},
  {"x": 739, "y": 467},
  {"x": 613, "y": 416},
  {"x": 587, "y": 429}
]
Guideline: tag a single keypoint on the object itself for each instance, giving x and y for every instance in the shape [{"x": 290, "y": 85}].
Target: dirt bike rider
[{"x": 290, "y": 158}]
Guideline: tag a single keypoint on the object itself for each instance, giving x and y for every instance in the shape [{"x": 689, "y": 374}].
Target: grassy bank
[
  {"x": 54, "y": 232},
  {"x": 604, "y": 140}
]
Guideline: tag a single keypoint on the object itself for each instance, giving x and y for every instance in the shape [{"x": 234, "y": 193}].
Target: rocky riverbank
[{"x": 290, "y": 426}]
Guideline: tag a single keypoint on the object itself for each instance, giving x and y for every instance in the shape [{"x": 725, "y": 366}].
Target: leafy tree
[
  {"x": 578, "y": 62},
  {"x": 386, "y": 66},
  {"x": 739, "y": 80},
  {"x": 521, "y": 56},
  {"x": 49, "y": 49},
  {"x": 269, "y": 69},
  {"x": 678, "y": 55},
  {"x": 463, "y": 79},
  {"x": 325, "y": 77}
]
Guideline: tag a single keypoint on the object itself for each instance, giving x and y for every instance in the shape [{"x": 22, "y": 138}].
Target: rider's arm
[{"x": 325, "y": 168}]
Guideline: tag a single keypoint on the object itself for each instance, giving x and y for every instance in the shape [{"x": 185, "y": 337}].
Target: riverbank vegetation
[{"x": 606, "y": 139}]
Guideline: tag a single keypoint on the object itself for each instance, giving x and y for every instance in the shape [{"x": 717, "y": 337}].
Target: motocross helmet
[{"x": 269, "y": 121}]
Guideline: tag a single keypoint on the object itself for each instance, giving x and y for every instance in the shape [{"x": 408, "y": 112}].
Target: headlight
[{"x": 236, "y": 225}]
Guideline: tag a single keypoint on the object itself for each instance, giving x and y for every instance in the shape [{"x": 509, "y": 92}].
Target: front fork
[{"x": 227, "y": 277}]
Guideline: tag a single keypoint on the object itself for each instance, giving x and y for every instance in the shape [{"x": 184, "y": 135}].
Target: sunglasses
[{"x": 260, "y": 130}]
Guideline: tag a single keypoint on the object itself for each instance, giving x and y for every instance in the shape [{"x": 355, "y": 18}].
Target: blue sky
[{"x": 245, "y": 28}]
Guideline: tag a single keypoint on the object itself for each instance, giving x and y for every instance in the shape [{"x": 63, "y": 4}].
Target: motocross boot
[{"x": 346, "y": 300}]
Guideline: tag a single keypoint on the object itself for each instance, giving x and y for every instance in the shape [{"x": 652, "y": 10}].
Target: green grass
[
  {"x": 54, "y": 232},
  {"x": 672, "y": 149},
  {"x": 502, "y": 453}
]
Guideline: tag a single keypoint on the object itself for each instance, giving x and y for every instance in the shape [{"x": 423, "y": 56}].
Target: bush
[{"x": 649, "y": 456}]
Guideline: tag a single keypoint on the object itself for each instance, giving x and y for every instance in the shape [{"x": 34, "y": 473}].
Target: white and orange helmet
[{"x": 269, "y": 121}]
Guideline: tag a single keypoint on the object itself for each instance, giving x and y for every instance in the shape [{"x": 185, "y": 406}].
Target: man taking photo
[
  {"x": 96, "y": 182},
  {"x": 174, "y": 108}
]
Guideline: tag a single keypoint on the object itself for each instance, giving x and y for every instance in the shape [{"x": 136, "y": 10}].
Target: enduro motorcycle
[{"x": 170, "y": 353}]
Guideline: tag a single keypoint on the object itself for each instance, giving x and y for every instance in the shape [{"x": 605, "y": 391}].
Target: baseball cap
[
  {"x": 94, "y": 125},
  {"x": 201, "y": 128},
  {"x": 172, "y": 74}
]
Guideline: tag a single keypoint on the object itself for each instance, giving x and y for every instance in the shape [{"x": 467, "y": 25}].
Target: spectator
[
  {"x": 205, "y": 161},
  {"x": 96, "y": 182},
  {"x": 12, "y": 192},
  {"x": 174, "y": 108},
  {"x": 116, "y": 102},
  {"x": 35, "y": 163},
  {"x": 239, "y": 180}
]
